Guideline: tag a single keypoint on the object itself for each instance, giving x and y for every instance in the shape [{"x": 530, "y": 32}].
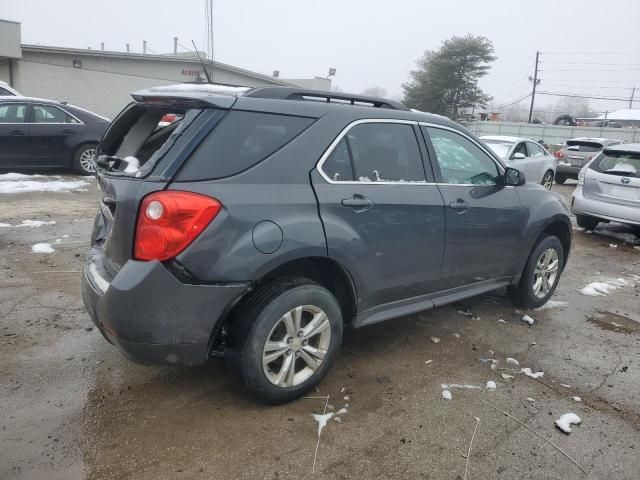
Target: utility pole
[
  {"x": 633, "y": 92},
  {"x": 535, "y": 84}
]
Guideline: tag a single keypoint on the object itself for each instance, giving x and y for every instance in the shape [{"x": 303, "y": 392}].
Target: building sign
[{"x": 191, "y": 73}]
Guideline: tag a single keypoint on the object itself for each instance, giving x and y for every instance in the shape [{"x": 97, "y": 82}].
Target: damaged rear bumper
[{"x": 150, "y": 315}]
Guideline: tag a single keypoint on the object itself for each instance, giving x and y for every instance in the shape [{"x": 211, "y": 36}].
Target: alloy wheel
[
  {"x": 87, "y": 160},
  {"x": 296, "y": 346},
  {"x": 546, "y": 272},
  {"x": 547, "y": 180}
]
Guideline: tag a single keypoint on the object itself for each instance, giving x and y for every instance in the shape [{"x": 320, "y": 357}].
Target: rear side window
[
  {"x": 338, "y": 166},
  {"x": 581, "y": 146},
  {"x": 13, "y": 113},
  {"x": 625, "y": 164},
  {"x": 240, "y": 141},
  {"x": 51, "y": 114},
  {"x": 535, "y": 150}
]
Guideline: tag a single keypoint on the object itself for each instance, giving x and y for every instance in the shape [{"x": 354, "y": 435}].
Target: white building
[{"x": 102, "y": 81}]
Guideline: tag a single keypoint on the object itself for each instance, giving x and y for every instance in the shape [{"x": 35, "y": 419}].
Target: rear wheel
[
  {"x": 547, "y": 180},
  {"x": 283, "y": 340},
  {"x": 541, "y": 274},
  {"x": 587, "y": 222},
  {"x": 560, "y": 178},
  {"x": 84, "y": 159}
]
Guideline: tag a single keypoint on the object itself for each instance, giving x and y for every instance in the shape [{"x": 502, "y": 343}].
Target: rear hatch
[
  {"x": 139, "y": 154},
  {"x": 614, "y": 176},
  {"x": 578, "y": 152}
]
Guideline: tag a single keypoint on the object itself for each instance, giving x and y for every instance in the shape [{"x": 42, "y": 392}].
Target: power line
[
  {"x": 593, "y": 70},
  {"x": 511, "y": 103},
  {"x": 573, "y": 95},
  {"x": 587, "y": 86},
  {"x": 590, "y": 63},
  {"x": 588, "y": 53}
]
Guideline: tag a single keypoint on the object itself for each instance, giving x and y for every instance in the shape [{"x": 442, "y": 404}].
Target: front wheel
[
  {"x": 84, "y": 159},
  {"x": 547, "y": 180},
  {"x": 283, "y": 340},
  {"x": 541, "y": 274}
]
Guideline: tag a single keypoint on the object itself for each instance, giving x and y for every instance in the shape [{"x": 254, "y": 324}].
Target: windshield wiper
[{"x": 622, "y": 173}]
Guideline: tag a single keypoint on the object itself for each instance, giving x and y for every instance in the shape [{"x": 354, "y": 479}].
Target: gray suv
[{"x": 261, "y": 223}]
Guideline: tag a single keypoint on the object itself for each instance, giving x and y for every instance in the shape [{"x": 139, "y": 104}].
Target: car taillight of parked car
[
  {"x": 169, "y": 221},
  {"x": 559, "y": 154}
]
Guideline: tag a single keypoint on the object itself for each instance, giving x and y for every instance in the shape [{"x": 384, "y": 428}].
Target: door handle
[
  {"x": 67, "y": 131},
  {"x": 358, "y": 202},
  {"x": 460, "y": 206},
  {"x": 17, "y": 133}
]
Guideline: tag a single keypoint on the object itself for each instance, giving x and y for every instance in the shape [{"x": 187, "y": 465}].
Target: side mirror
[
  {"x": 514, "y": 177},
  {"x": 518, "y": 156}
]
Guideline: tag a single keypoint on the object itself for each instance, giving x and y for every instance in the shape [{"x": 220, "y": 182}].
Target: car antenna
[{"x": 206, "y": 73}]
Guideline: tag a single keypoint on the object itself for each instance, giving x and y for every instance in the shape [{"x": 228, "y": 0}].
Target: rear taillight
[
  {"x": 559, "y": 154},
  {"x": 169, "y": 221}
]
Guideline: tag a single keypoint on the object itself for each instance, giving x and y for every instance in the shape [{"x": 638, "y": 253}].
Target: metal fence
[{"x": 552, "y": 134}]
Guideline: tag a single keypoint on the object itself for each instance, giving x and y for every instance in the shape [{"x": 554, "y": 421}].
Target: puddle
[{"x": 614, "y": 322}]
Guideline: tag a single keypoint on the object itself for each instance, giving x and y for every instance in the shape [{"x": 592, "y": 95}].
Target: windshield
[
  {"x": 618, "y": 163},
  {"x": 500, "y": 148}
]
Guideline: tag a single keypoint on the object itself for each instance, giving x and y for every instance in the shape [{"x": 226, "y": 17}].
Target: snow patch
[
  {"x": 552, "y": 304},
  {"x": 462, "y": 387},
  {"x": 602, "y": 289},
  {"x": 446, "y": 395},
  {"x": 42, "y": 248},
  {"x": 528, "y": 319},
  {"x": 513, "y": 361},
  {"x": 322, "y": 420},
  {"x": 19, "y": 183},
  {"x": 506, "y": 376},
  {"x": 565, "y": 421},
  {"x": 435, "y": 340},
  {"x": 133, "y": 165},
  {"x": 576, "y": 399},
  {"x": 491, "y": 385}
]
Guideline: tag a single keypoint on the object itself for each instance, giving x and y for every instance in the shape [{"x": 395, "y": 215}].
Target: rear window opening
[
  {"x": 625, "y": 164},
  {"x": 140, "y": 136},
  {"x": 582, "y": 146}
]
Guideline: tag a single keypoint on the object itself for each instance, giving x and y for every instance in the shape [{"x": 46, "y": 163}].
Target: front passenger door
[
  {"x": 53, "y": 134},
  {"x": 484, "y": 220}
]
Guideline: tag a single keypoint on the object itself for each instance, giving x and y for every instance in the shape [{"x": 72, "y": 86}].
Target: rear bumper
[
  {"x": 150, "y": 315},
  {"x": 581, "y": 205},
  {"x": 568, "y": 170}
]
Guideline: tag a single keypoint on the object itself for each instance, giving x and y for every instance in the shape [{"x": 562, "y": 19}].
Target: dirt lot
[{"x": 72, "y": 407}]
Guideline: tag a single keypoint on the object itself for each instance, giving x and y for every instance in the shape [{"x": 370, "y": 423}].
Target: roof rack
[{"x": 292, "y": 93}]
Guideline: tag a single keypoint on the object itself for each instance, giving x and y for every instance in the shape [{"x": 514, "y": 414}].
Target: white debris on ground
[
  {"x": 435, "y": 339},
  {"x": 552, "y": 304},
  {"x": 466, "y": 313},
  {"x": 576, "y": 399},
  {"x": 565, "y": 385},
  {"x": 527, "y": 371},
  {"x": 500, "y": 320},
  {"x": 491, "y": 385},
  {"x": 613, "y": 245},
  {"x": 427, "y": 362},
  {"x": 512, "y": 361},
  {"x": 322, "y": 420},
  {"x": 19, "y": 183},
  {"x": 602, "y": 289},
  {"x": 530, "y": 400},
  {"x": 528, "y": 319},
  {"x": 42, "y": 248},
  {"x": 506, "y": 376},
  {"x": 457, "y": 335},
  {"x": 565, "y": 421},
  {"x": 462, "y": 387},
  {"x": 446, "y": 395}
]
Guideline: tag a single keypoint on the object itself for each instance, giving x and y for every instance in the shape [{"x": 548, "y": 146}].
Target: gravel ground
[{"x": 72, "y": 407}]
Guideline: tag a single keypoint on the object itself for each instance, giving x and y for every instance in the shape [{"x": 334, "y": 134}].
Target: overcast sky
[{"x": 369, "y": 42}]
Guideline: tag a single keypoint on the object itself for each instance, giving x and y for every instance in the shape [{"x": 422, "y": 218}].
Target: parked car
[
  {"x": 576, "y": 153},
  {"x": 609, "y": 188},
  {"x": 6, "y": 90},
  {"x": 260, "y": 224},
  {"x": 526, "y": 155},
  {"x": 38, "y": 133}
]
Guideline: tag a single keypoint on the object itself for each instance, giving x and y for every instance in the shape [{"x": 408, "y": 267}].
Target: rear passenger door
[
  {"x": 383, "y": 217},
  {"x": 14, "y": 135},
  {"x": 484, "y": 220}
]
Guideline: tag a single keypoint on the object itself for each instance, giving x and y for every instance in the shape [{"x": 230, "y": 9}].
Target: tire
[
  {"x": 547, "y": 179},
  {"x": 263, "y": 317},
  {"x": 526, "y": 294},
  {"x": 80, "y": 159},
  {"x": 560, "y": 178},
  {"x": 587, "y": 222}
]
